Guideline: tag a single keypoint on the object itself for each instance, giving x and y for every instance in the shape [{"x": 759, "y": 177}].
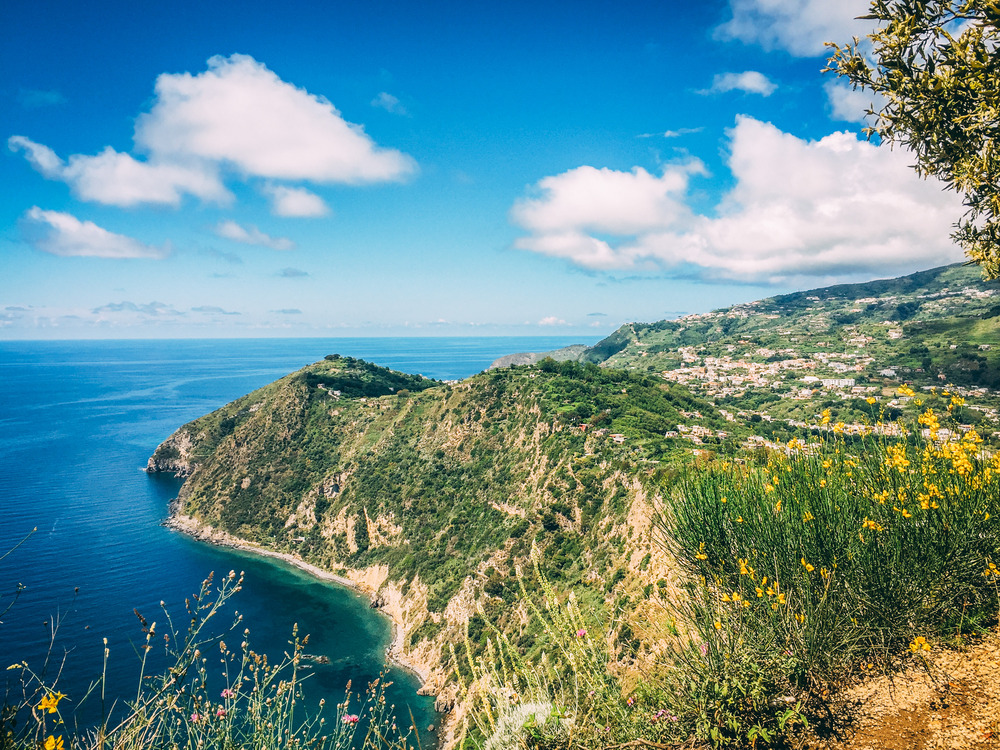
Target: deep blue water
[{"x": 78, "y": 421}]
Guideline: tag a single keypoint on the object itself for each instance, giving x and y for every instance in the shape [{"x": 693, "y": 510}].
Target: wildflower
[
  {"x": 870, "y": 400},
  {"x": 196, "y": 717},
  {"x": 809, "y": 568},
  {"x": 704, "y": 649},
  {"x": 801, "y": 619},
  {"x": 808, "y": 516},
  {"x": 723, "y": 500},
  {"x": 903, "y": 511},
  {"x": 919, "y": 644},
  {"x": 827, "y": 463},
  {"x": 581, "y": 632},
  {"x": 992, "y": 571},
  {"x": 701, "y": 552},
  {"x": 228, "y": 693},
  {"x": 739, "y": 519},
  {"x": 777, "y": 506},
  {"x": 630, "y": 700},
  {"x": 744, "y": 566},
  {"x": 870, "y": 524},
  {"x": 50, "y": 702},
  {"x": 54, "y": 743},
  {"x": 906, "y": 391},
  {"x": 220, "y": 712},
  {"x": 718, "y": 625},
  {"x": 350, "y": 719},
  {"x": 825, "y": 416}
]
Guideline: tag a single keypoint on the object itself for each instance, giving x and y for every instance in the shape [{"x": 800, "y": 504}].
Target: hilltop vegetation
[
  {"x": 690, "y": 485},
  {"x": 432, "y": 494}
]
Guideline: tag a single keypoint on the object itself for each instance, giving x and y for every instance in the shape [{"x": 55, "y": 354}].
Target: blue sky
[{"x": 436, "y": 168}]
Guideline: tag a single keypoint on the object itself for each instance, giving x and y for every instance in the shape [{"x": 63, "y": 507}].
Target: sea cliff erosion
[{"x": 430, "y": 496}]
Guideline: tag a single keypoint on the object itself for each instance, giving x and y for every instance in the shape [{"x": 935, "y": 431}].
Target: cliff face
[
  {"x": 428, "y": 495},
  {"x": 173, "y": 456}
]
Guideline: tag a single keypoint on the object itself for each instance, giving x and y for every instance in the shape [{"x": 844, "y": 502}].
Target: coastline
[{"x": 196, "y": 529}]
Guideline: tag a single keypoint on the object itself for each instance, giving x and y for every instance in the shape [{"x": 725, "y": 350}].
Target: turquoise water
[{"x": 78, "y": 421}]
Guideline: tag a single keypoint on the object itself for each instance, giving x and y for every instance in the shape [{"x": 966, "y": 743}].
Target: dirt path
[{"x": 955, "y": 704}]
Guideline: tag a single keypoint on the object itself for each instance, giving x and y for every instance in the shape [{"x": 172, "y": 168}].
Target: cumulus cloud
[
  {"x": 63, "y": 234},
  {"x": 749, "y": 82},
  {"x": 292, "y": 273},
  {"x": 835, "y": 207},
  {"x": 118, "y": 179},
  {"x": 850, "y": 104},
  {"x": 241, "y": 113},
  {"x": 230, "y": 230},
  {"x": 295, "y": 202},
  {"x": 566, "y": 207},
  {"x": 237, "y": 116},
  {"x": 389, "y": 103},
  {"x": 799, "y": 27},
  {"x": 552, "y": 320}
]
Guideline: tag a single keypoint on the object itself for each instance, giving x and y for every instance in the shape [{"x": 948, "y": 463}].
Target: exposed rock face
[
  {"x": 173, "y": 456},
  {"x": 573, "y": 353}
]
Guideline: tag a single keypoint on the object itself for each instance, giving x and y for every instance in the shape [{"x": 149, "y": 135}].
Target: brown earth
[{"x": 947, "y": 699}]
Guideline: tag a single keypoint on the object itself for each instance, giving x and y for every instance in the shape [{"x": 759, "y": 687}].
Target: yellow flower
[
  {"x": 701, "y": 552},
  {"x": 723, "y": 500},
  {"x": 54, "y": 743},
  {"x": 869, "y": 524},
  {"x": 801, "y": 619},
  {"x": 822, "y": 482},
  {"x": 809, "y": 568},
  {"x": 905, "y": 390},
  {"x": 718, "y": 625},
  {"x": 919, "y": 644},
  {"x": 870, "y": 400},
  {"x": 777, "y": 507},
  {"x": 809, "y": 516},
  {"x": 825, "y": 416},
  {"x": 50, "y": 702},
  {"x": 739, "y": 519},
  {"x": 827, "y": 464}
]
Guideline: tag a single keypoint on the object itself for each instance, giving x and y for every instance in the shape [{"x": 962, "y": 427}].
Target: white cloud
[
  {"x": 65, "y": 235},
  {"x": 118, "y": 179},
  {"x": 552, "y": 320},
  {"x": 230, "y": 230},
  {"x": 749, "y": 81},
  {"x": 836, "y": 207},
  {"x": 295, "y": 202},
  {"x": 603, "y": 200},
  {"x": 236, "y": 115},
  {"x": 389, "y": 103},
  {"x": 799, "y": 27},
  {"x": 240, "y": 113},
  {"x": 849, "y": 104}
]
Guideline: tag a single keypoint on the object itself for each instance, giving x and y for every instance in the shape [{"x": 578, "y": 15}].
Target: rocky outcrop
[
  {"x": 173, "y": 456},
  {"x": 573, "y": 353}
]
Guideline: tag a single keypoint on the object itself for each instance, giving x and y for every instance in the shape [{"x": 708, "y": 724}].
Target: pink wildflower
[
  {"x": 196, "y": 717},
  {"x": 228, "y": 693},
  {"x": 220, "y": 712},
  {"x": 350, "y": 719},
  {"x": 581, "y": 632}
]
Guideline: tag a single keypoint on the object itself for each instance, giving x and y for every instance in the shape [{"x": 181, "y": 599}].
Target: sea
[{"x": 82, "y": 539}]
